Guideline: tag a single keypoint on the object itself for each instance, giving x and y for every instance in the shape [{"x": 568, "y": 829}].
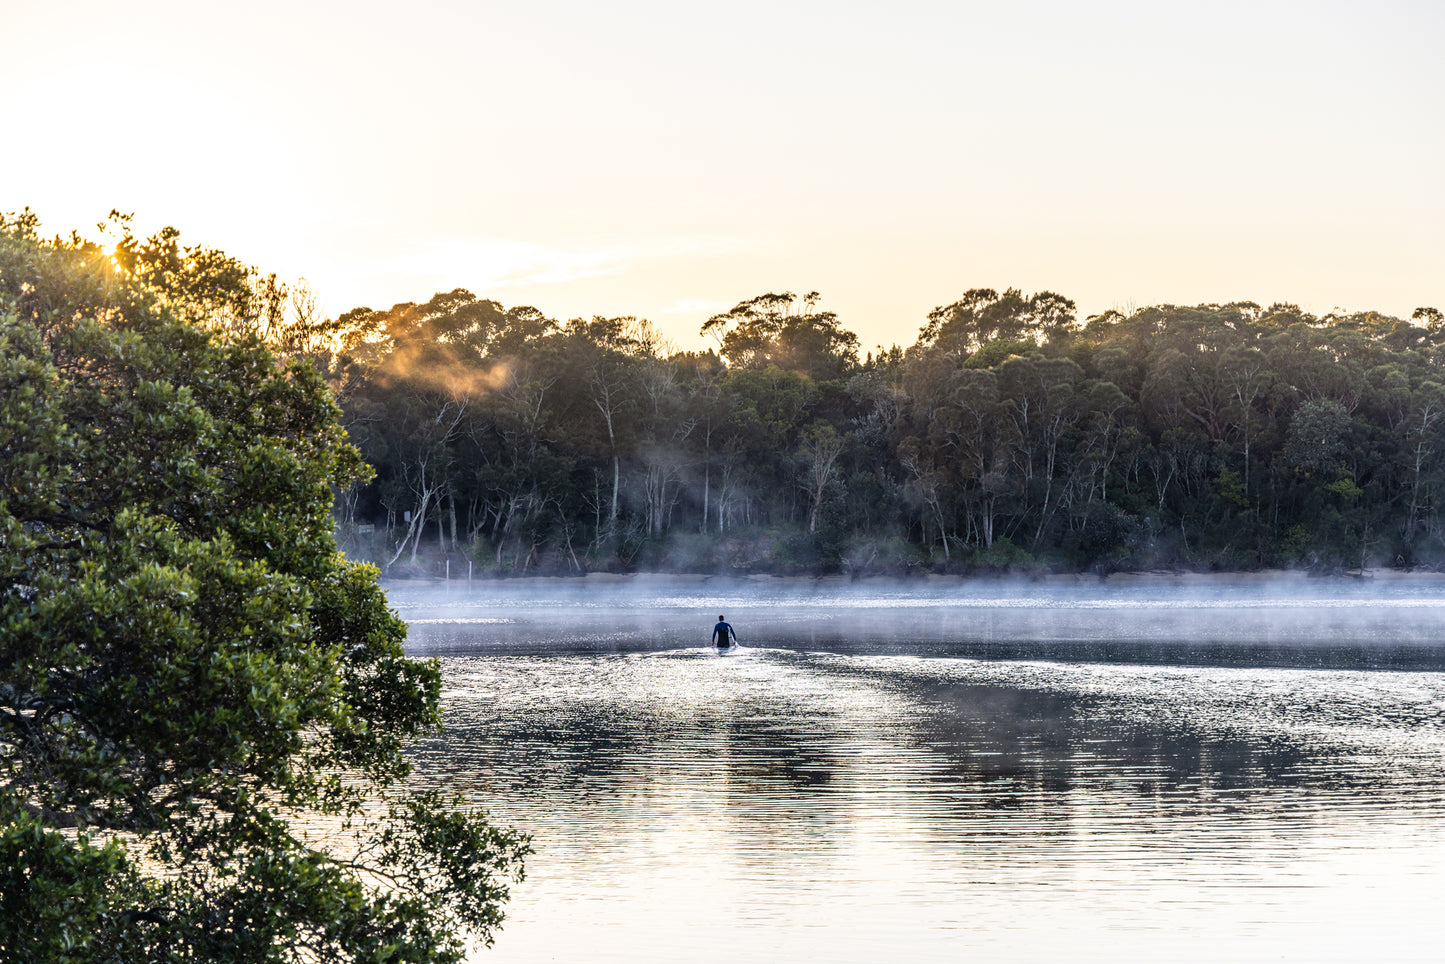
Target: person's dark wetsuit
[{"x": 723, "y": 635}]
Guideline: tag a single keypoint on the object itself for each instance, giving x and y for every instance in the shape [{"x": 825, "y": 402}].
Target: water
[{"x": 927, "y": 774}]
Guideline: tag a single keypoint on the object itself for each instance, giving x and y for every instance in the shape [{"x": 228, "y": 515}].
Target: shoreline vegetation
[
  {"x": 664, "y": 581},
  {"x": 1011, "y": 437}
]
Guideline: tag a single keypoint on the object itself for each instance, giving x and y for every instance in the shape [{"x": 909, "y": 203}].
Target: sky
[{"x": 669, "y": 160}]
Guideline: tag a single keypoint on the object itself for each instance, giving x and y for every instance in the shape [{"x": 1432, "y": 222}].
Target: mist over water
[
  {"x": 1393, "y": 623},
  {"x": 1243, "y": 770}
]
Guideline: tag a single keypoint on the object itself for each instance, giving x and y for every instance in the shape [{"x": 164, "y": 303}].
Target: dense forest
[{"x": 1010, "y": 436}]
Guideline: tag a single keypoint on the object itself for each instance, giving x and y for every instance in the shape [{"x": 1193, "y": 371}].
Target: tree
[
  {"x": 767, "y": 330},
  {"x": 1040, "y": 397},
  {"x": 983, "y": 315},
  {"x": 193, "y": 676},
  {"x": 610, "y": 345},
  {"x": 767, "y": 409},
  {"x": 818, "y": 453}
]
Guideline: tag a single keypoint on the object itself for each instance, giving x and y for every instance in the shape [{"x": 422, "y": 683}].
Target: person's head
[{"x": 719, "y": 618}]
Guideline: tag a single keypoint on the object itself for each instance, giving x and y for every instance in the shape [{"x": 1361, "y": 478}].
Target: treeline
[{"x": 1009, "y": 436}]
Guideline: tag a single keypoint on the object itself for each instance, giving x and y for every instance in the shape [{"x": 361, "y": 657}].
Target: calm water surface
[{"x": 929, "y": 774}]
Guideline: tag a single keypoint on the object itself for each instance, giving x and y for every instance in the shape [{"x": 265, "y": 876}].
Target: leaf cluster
[{"x": 193, "y": 675}]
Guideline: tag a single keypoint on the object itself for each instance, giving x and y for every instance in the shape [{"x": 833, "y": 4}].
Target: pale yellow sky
[{"x": 669, "y": 160}]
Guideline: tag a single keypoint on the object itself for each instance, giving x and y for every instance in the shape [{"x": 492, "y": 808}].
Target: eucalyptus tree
[
  {"x": 768, "y": 408},
  {"x": 818, "y": 452},
  {"x": 667, "y": 426},
  {"x": 1423, "y": 430},
  {"x": 983, "y": 315},
  {"x": 1106, "y": 438},
  {"x": 1246, "y": 378},
  {"x": 928, "y": 484},
  {"x": 408, "y": 416},
  {"x": 785, "y": 331},
  {"x": 608, "y": 346},
  {"x": 880, "y": 405},
  {"x": 983, "y": 441},
  {"x": 1041, "y": 400},
  {"x": 702, "y": 375}
]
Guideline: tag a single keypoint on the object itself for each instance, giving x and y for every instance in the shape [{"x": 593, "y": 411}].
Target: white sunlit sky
[{"x": 668, "y": 160}]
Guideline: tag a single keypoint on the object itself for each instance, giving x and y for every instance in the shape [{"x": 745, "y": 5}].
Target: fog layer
[{"x": 1387, "y": 623}]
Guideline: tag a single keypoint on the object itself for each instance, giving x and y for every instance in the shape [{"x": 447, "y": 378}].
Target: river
[{"x": 1230, "y": 769}]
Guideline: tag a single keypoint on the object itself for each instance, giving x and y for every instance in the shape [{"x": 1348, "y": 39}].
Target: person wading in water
[{"x": 722, "y": 634}]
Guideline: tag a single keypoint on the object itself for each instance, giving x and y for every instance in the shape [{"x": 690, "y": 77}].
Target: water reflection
[{"x": 843, "y": 806}]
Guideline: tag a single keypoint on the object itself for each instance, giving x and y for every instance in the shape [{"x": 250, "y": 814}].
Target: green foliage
[
  {"x": 1214, "y": 435},
  {"x": 982, "y": 316},
  {"x": 1318, "y": 434},
  {"x": 1002, "y": 556},
  {"x": 62, "y": 897},
  {"x": 768, "y": 330},
  {"x": 1172, "y": 436},
  {"x": 995, "y": 353},
  {"x": 1345, "y": 489},
  {"x": 195, "y": 680},
  {"x": 1230, "y": 488}
]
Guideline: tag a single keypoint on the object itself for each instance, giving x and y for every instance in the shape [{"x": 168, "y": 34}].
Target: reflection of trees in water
[
  {"x": 972, "y": 746},
  {"x": 1052, "y": 742},
  {"x": 1244, "y": 639},
  {"x": 583, "y": 749}
]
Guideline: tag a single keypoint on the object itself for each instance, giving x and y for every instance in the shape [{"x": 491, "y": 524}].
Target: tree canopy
[
  {"x": 1009, "y": 435},
  {"x": 203, "y": 704}
]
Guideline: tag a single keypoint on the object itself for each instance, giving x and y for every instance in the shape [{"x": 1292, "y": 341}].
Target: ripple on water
[{"x": 870, "y": 807}]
